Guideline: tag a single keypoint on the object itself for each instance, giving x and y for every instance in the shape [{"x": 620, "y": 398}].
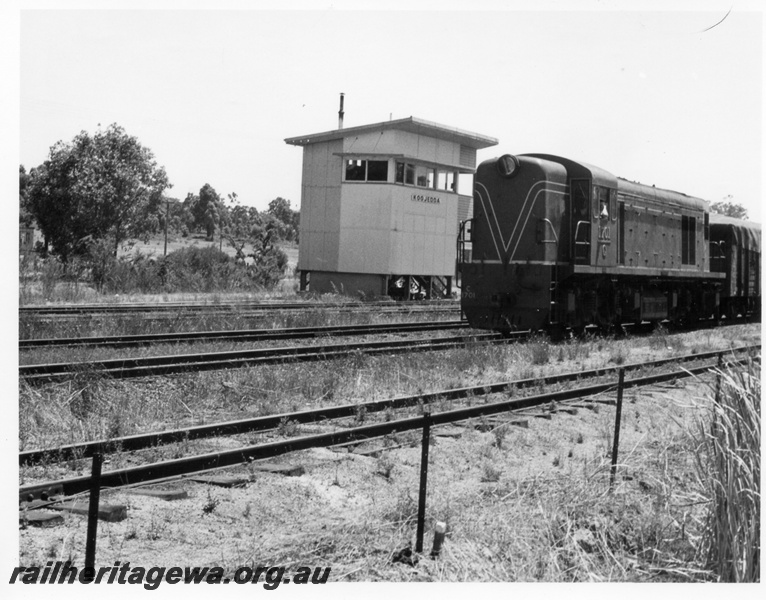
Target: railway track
[
  {"x": 194, "y": 464},
  {"x": 126, "y": 341},
  {"x": 123, "y": 368},
  {"x": 245, "y": 308}
]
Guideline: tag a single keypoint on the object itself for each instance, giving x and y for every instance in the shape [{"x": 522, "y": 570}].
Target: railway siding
[{"x": 185, "y": 466}]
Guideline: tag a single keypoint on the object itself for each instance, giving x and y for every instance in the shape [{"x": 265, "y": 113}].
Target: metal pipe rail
[
  {"x": 194, "y": 464},
  {"x": 125, "y": 341},
  {"x": 265, "y": 423}
]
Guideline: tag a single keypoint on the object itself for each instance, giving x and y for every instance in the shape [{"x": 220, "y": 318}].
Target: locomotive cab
[{"x": 517, "y": 234}]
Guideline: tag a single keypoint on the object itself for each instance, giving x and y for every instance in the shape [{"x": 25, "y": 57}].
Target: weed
[
  {"x": 490, "y": 473},
  {"x": 500, "y": 434},
  {"x": 385, "y": 466},
  {"x": 287, "y": 428},
  {"x": 404, "y": 510},
  {"x": 618, "y": 355},
  {"x": 211, "y": 504},
  {"x": 540, "y": 352}
]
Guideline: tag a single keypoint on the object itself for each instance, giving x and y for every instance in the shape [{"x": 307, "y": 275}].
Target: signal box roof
[{"x": 410, "y": 124}]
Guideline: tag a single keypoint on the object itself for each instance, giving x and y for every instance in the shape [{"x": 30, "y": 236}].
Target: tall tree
[
  {"x": 729, "y": 209},
  {"x": 24, "y": 217},
  {"x": 281, "y": 210},
  {"x": 103, "y": 186},
  {"x": 207, "y": 210}
]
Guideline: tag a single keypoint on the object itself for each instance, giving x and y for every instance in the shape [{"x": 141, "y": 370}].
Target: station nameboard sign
[{"x": 424, "y": 198}]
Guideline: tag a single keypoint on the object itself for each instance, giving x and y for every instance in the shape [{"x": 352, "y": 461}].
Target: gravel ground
[{"x": 353, "y": 512}]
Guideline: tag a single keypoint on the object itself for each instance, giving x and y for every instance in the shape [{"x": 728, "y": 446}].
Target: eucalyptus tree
[{"x": 105, "y": 186}]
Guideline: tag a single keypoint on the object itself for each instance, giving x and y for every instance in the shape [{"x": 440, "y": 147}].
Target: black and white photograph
[{"x": 368, "y": 293}]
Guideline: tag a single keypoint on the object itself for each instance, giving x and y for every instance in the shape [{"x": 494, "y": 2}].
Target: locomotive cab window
[
  {"x": 580, "y": 221},
  {"x": 580, "y": 200}
]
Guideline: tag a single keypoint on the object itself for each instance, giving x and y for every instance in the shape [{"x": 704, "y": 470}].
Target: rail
[
  {"x": 194, "y": 464},
  {"x": 124, "y": 368},
  {"x": 125, "y": 341}
]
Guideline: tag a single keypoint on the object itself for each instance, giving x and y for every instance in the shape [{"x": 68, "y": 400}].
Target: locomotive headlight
[{"x": 508, "y": 165}]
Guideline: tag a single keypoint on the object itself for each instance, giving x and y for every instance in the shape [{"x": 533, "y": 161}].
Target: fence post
[
  {"x": 423, "y": 477},
  {"x": 617, "y": 417},
  {"x": 95, "y": 491}
]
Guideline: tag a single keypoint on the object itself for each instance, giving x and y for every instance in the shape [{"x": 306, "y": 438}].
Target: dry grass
[
  {"x": 730, "y": 475},
  {"x": 521, "y": 504}
]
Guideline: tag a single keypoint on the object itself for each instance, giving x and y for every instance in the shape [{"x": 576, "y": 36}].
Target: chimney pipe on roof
[{"x": 340, "y": 112}]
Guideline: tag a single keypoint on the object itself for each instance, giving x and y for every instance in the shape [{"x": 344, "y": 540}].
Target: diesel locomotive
[{"x": 556, "y": 244}]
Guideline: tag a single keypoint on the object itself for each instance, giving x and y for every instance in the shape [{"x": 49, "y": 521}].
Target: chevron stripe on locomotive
[{"x": 556, "y": 244}]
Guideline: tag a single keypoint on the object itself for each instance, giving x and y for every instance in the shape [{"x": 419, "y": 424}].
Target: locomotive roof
[
  {"x": 599, "y": 176},
  {"x": 746, "y": 233},
  {"x": 578, "y": 169},
  {"x": 668, "y": 197}
]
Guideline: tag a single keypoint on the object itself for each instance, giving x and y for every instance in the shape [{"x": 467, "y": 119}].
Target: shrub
[{"x": 190, "y": 269}]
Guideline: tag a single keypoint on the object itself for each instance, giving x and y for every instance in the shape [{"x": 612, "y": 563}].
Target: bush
[{"x": 190, "y": 269}]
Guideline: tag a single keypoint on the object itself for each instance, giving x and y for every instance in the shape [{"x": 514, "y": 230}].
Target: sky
[{"x": 665, "y": 97}]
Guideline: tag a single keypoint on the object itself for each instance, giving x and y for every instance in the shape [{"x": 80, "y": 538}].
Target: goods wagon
[{"x": 735, "y": 251}]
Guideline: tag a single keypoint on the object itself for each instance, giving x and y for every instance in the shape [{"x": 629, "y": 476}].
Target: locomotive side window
[
  {"x": 602, "y": 194},
  {"x": 688, "y": 240}
]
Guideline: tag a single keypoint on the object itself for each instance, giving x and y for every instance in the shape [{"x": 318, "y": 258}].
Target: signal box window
[
  {"x": 446, "y": 180},
  {"x": 377, "y": 170},
  {"x": 405, "y": 173},
  {"x": 425, "y": 177},
  {"x": 355, "y": 170},
  {"x": 366, "y": 170}
]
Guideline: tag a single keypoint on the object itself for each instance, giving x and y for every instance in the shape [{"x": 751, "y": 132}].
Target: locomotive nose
[{"x": 508, "y": 165}]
